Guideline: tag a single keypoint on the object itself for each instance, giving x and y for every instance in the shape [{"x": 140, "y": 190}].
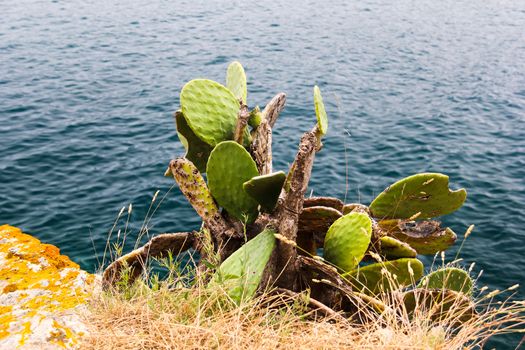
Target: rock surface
[{"x": 42, "y": 294}]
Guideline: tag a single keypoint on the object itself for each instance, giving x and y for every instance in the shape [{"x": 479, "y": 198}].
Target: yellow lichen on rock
[
  {"x": 6, "y": 317},
  {"x": 41, "y": 292}
]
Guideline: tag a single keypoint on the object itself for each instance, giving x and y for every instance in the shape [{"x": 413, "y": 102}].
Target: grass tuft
[{"x": 181, "y": 310}]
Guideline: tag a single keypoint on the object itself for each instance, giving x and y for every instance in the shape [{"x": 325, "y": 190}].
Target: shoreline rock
[{"x": 42, "y": 294}]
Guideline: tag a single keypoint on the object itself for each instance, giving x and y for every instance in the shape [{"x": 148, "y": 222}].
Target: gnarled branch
[
  {"x": 242, "y": 121},
  {"x": 292, "y": 200},
  {"x": 284, "y": 263},
  {"x": 158, "y": 247},
  {"x": 273, "y": 108},
  {"x": 261, "y": 148}
]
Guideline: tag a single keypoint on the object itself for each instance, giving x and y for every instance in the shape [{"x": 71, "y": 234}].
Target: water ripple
[{"x": 87, "y": 91}]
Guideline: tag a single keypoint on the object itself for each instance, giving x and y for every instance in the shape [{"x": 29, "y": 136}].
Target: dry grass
[
  {"x": 168, "y": 315},
  {"x": 178, "y": 313}
]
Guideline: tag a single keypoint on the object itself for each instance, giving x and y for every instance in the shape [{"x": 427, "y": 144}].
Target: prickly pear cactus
[
  {"x": 197, "y": 151},
  {"x": 236, "y": 81},
  {"x": 229, "y": 167},
  {"x": 212, "y": 123},
  {"x": 265, "y": 189},
  {"x": 392, "y": 249},
  {"x": 426, "y": 237},
  {"x": 451, "y": 278},
  {"x": 386, "y": 276},
  {"x": 426, "y": 193},
  {"x": 320, "y": 112},
  {"x": 442, "y": 304},
  {"x": 241, "y": 272},
  {"x": 193, "y": 186},
  {"x": 347, "y": 240},
  {"x": 210, "y": 109}
]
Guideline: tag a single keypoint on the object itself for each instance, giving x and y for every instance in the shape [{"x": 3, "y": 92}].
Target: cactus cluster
[
  {"x": 397, "y": 238},
  {"x": 264, "y": 230}
]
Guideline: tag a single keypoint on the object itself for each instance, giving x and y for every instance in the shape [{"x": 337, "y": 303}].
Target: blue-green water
[{"x": 87, "y": 89}]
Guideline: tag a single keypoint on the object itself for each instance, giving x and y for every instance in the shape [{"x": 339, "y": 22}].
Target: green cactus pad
[
  {"x": 256, "y": 117},
  {"x": 265, "y": 189},
  {"x": 322, "y": 118},
  {"x": 236, "y": 81},
  {"x": 210, "y": 109},
  {"x": 229, "y": 167},
  {"x": 317, "y": 219},
  {"x": 439, "y": 305},
  {"x": 371, "y": 280},
  {"x": 426, "y": 237},
  {"x": 197, "y": 151},
  {"x": 450, "y": 278},
  {"x": 392, "y": 249},
  {"x": 347, "y": 240},
  {"x": 425, "y": 193},
  {"x": 193, "y": 187},
  {"x": 242, "y": 271}
]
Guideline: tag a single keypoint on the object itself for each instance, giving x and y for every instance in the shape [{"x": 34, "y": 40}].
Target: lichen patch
[{"x": 41, "y": 292}]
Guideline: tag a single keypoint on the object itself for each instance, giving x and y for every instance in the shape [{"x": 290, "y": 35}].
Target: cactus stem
[
  {"x": 273, "y": 108},
  {"x": 242, "y": 121},
  {"x": 286, "y": 216},
  {"x": 292, "y": 203},
  {"x": 261, "y": 148}
]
